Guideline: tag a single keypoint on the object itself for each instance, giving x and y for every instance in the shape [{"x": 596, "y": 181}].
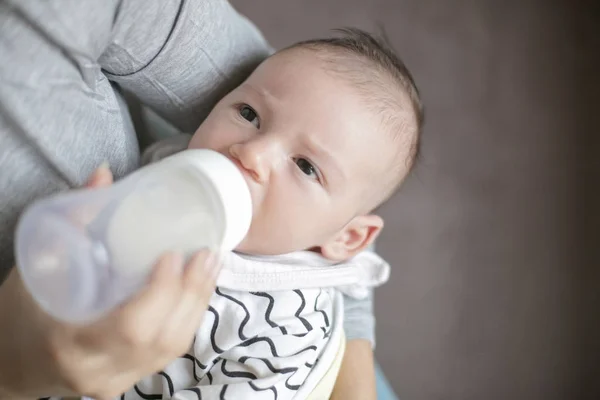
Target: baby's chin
[
  {"x": 246, "y": 247},
  {"x": 250, "y": 247}
]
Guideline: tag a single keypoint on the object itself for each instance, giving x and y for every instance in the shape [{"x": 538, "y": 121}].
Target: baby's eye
[
  {"x": 307, "y": 168},
  {"x": 250, "y": 115}
]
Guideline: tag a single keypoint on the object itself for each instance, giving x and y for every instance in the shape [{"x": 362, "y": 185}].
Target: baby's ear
[{"x": 353, "y": 238}]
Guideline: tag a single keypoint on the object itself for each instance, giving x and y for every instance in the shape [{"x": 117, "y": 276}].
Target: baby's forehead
[
  {"x": 377, "y": 88},
  {"x": 361, "y": 77}
]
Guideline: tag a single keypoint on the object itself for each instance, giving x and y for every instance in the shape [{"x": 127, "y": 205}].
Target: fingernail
[{"x": 104, "y": 165}]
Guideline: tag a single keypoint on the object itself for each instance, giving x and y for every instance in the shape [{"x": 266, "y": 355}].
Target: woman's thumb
[{"x": 100, "y": 177}]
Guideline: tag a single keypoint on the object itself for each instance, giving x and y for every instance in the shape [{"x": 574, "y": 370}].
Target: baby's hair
[{"x": 372, "y": 65}]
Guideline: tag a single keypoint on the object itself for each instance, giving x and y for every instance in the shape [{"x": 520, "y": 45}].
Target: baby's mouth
[
  {"x": 240, "y": 166},
  {"x": 248, "y": 178},
  {"x": 247, "y": 174}
]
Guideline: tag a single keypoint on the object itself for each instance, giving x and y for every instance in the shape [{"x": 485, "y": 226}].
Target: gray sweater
[{"x": 64, "y": 66}]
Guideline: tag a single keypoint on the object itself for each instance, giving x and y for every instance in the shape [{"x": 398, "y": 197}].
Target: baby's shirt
[
  {"x": 250, "y": 345},
  {"x": 272, "y": 330}
]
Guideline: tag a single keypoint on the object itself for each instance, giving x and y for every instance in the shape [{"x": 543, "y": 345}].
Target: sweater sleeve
[
  {"x": 204, "y": 50},
  {"x": 359, "y": 320}
]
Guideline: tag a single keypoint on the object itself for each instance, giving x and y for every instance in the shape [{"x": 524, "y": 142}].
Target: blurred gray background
[{"x": 495, "y": 282}]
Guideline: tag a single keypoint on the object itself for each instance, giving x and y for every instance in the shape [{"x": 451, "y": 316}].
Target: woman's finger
[
  {"x": 199, "y": 285},
  {"x": 200, "y": 281},
  {"x": 142, "y": 318},
  {"x": 100, "y": 177},
  {"x": 200, "y": 274},
  {"x": 117, "y": 384}
]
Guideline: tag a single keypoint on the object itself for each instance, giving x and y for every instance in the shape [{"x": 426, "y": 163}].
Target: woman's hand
[{"x": 40, "y": 356}]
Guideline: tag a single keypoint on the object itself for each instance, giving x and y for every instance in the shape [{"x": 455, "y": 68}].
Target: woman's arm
[{"x": 356, "y": 379}]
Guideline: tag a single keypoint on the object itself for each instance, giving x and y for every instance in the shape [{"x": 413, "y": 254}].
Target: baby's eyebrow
[{"x": 262, "y": 93}]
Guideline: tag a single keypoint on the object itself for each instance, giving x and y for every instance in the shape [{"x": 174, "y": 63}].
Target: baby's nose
[{"x": 256, "y": 157}]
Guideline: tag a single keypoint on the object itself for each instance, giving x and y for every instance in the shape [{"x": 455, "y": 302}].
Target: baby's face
[{"x": 310, "y": 149}]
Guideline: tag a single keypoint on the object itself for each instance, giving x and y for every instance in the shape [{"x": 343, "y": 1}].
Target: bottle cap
[{"x": 231, "y": 189}]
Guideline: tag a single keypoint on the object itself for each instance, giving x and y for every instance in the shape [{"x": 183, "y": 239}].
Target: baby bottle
[{"x": 82, "y": 253}]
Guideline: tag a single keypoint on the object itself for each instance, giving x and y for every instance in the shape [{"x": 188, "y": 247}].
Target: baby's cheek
[
  {"x": 211, "y": 134},
  {"x": 204, "y": 139},
  {"x": 198, "y": 139},
  {"x": 279, "y": 230}
]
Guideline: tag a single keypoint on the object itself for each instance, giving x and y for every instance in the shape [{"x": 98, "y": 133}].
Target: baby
[{"x": 324, "y": 132}]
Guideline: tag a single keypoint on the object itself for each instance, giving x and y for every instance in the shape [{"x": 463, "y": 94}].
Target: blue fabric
[{"x": 384, "y": 390}]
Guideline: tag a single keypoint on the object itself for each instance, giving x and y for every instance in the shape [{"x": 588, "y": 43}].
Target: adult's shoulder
[{"x": 180, "y": 57}]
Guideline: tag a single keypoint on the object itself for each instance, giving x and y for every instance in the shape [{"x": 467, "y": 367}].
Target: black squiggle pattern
[
  {"x": 239, "y": 303},
  {"x": 269, "y": 307},
  {"x": 195, "y": 390},
  {"x": 306, "y": 324},
  {"x": 169, "y": 382},
  {"x": 147, "y": 396},
  {"x": 192, "y": 358},
  {"x": 272, "y": 368},
  {"x": 257, "y": 389},
  {"x": 290, "y": 386},
  {"x": 195, "y": 363},
  {"x": 257, "y": 339},
  {"x": 321, "y": 311},
  {"x": 236, "y": 374},
  {"x": 269, "y": 310},
  {"x": 213, "y": 331},
  {"x": 222, "y": 394}
]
